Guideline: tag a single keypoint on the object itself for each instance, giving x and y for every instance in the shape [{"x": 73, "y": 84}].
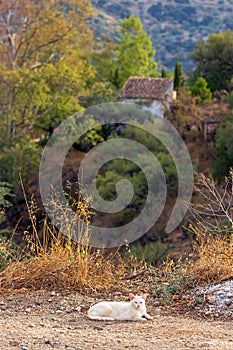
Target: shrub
[
  {"x": 8, "y": 253},
  {"x": 170, "y": 279}
]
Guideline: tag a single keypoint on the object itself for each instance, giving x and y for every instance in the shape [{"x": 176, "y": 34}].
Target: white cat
[{"x": 135, "y": 310}]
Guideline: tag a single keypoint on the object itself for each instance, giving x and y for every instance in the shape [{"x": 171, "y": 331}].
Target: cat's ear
[
  {"x": 144, "y": 296},
  {"x": 131, "y": 296}
]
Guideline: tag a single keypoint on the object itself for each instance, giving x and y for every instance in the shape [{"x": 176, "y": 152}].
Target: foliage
[
  {"x": 214, "y": 252},
  {"x": 213, "y": 210},
  {"x": 212, "y": 258},
  {"x": 136, "y": 54},
  {"x": 43, "y": 73},
  {"x": 184, "y": 113},
  {"x": 170, "y": 279},
  {"x": 35, "y": 40},
  {"x": 104, "y": 59},
  {"x": 39, "y": 98},
  {"x": 9, "y": 253},
  {"x": 201, "y": 91},
  {"x": 100, "y": 92},
  {"x": 152, "y": 252},
  {"x": 43, "y": 70},
  {"x": 164, "y": 73},
  {"x": 118, "y": 10},
  {"x": 178, "y": 76},
  {"x": 21, "y": 158},
  {"x": 214, "y": 61},
  {"x": 119, "y": 169},
  {"x": 224, "y": 146},
  {"x": 187, "y": 115},
  {"x": 5, "y": 196}
]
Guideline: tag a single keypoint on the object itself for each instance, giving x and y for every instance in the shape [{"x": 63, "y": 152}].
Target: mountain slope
[{"x": 173, "y": 25}]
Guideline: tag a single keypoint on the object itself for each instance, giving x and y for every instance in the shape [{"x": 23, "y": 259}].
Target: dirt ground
[{"x": 58, "y": 321}]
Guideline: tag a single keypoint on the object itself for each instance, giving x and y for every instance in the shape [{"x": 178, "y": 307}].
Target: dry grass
[
  {"x": 54, "y": 261},
  {"x": 215, "y": 257},
  {"x": 61, "y": 268},
  {"x": 212, "y": 257},
  {"x": 213, "y": 228}
]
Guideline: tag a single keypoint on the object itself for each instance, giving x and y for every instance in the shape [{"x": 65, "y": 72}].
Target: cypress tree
[
  {"x": 178, "y": 79},
  {"x": 163, "y": 72}
]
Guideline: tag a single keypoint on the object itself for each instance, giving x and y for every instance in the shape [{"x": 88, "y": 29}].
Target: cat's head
[{"x": 137, "y": 301}]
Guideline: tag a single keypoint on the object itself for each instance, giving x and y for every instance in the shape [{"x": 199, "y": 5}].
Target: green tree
[
  {"x": 104, "y": 85},
  {"x": 5, "y": 195},
  {"x": 163, "y": 73},
  {"x": 21, "y": 158},
  {"x": 123, "y": 169},
  {"x": 214, "y": 61},
  {"x": 224, "y": 145},
  {"x": 201, "y": 91},
  {"x": 136, "y": 53},
  {"x": 45, "y": 51},
  {"x": 104, "y": 59},
  {"x": 178, "y": 76},
  {"x": 34, "y": 33},
  {"x": 45, "y": 67}
]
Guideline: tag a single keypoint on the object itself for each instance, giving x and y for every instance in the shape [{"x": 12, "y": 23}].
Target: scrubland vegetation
[{"x": 51, "y": 68}]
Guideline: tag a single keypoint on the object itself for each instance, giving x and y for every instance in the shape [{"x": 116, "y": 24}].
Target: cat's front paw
[{"x": 148, "y": 317}]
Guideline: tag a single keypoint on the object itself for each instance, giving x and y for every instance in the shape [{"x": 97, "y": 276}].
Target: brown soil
[{"x": 58, "y": 321}]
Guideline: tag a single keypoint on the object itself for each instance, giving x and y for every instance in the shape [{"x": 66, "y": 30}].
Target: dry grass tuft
[
  {"x": 215, "y": 257},
  {"x": 62, "y": 268}
]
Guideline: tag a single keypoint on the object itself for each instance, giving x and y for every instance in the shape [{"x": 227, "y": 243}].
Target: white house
[{"x": 155, "y": 94}]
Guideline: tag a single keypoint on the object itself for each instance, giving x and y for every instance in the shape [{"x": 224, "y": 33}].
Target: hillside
[{"x": 173, "y": 25}]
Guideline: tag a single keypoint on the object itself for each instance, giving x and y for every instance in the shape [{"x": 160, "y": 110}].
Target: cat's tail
[{"x": 91, "y": 316}]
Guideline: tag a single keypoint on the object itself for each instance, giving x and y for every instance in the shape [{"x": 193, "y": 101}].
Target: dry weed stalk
[
  {"x": 215, "y": 257},
  {"x": 215, "y": 202},
  {"x": 213, "y": 229}
]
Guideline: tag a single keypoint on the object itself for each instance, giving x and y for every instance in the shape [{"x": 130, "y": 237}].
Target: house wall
[{"x": 156, "y": 108}]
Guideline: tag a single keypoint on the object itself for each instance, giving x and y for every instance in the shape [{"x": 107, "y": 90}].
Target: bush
[
  {"x": 201, "y": 91},
  {"x": 5, "y": 196},
  {"x": 224, "y": 145},
  {"x": 170, "y": 279},
  {"x": 9, "y": 253}
]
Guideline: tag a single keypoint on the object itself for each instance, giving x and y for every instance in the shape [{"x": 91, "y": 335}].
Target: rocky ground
[
  {"x": 216, "y": 300},
  {"x": 58, "y": 321}
]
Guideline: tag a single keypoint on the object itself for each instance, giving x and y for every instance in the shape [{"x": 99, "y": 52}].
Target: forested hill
[{"x": 173, "y": 25}]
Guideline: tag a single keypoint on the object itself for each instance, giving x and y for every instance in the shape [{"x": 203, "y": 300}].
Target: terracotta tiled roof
[{"x": 145, "y": 88}]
